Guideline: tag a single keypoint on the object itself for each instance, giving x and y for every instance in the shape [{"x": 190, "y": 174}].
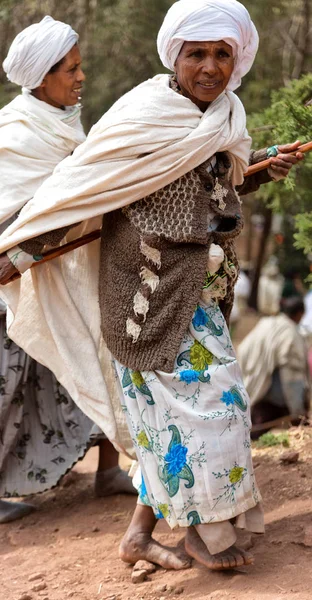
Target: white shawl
[
  {"x": 34, "y": 138},
  {"x": 149, "y": 138}
]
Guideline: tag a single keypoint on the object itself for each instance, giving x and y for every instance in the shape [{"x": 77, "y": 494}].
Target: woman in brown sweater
[{"x": 164, "y": 166}]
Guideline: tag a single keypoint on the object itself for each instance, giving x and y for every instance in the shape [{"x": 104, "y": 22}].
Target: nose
[
  {"x": 210, "y": 66},
  {"x": 80, "y": 75}
]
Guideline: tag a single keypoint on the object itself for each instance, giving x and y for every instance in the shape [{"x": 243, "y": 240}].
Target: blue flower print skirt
[{"x": 190, "y": 428}]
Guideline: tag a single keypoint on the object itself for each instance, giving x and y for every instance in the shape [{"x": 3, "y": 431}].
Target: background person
[
  {"x": 273, "y": 359},
  {"x": 43, "y": 432}
]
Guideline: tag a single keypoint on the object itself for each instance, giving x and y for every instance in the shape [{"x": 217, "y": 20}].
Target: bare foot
[
  {"x": 141, "y": 546},
  {"x": 113, "y": 481},
  {"x": 228, "y": 559}
]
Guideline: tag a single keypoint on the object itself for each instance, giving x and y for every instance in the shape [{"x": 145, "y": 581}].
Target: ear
[{"x": 42, "y": 84}]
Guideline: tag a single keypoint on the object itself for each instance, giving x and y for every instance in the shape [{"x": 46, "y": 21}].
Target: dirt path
[{"x": 72, "y": 543}]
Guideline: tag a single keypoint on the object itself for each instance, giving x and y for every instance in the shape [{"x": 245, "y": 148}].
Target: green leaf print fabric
[{"x": 191, "y": 428}]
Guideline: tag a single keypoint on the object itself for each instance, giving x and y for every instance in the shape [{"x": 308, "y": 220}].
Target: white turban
[
  {"x": 36, "y": 49},
  {"x": 209, "y": 21}
]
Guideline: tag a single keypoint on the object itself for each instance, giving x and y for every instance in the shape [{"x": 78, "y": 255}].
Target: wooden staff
[
  {"x": 264, "y": 164},
  {"x": 94, "y": 235},
  {"x": 55, "y": 252}
]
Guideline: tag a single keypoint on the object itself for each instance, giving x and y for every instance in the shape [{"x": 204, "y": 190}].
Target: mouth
[
  {"x": 209, "y": 85},
  {"x": 77, "y": 91}
]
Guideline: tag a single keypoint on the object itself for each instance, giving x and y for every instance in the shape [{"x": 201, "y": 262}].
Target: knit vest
[{"x": 153, "y": 263}]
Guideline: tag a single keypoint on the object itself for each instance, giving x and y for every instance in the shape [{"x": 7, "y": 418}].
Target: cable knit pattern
[
  {"x": 169, "y": 212},
  {"x": 153, "y": 263}
]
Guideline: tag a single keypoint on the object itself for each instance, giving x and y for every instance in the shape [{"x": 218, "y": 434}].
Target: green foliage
[
  {"x": 286, "y": 120},
  {"x": 270, "y": 439},
  {"x": 118, "y": 44}
]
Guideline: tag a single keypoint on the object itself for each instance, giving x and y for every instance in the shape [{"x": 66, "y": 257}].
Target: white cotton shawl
[
  {"x": 149, "y": 138},
  {"x": 209, "y": 21},
  {"x": 34, "y": 138},
  {"x": 36, "y": 49}
]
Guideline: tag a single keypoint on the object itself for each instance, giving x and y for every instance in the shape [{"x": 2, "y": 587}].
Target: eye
[
  {"x": 208, "y": 187},
  {"x": 224, "y": 54},
  {"x": 196, "y": 54}
]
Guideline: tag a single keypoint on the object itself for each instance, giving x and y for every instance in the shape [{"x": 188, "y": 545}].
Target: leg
[
  {"x": 138, "y": 543},
  {"x": 110, "y": 479},
  {"x": 228, "y": 559},
  {"x": 10, "y": 511}
]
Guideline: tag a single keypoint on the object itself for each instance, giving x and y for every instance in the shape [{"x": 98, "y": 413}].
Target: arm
[
  {"x": 252, "y": 183},
  {"x": 280, "y": 167},
  {"x": 19, "y": 259}
]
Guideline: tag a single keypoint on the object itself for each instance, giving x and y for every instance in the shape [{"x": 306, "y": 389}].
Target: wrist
[{"x": 21, "y": 260}]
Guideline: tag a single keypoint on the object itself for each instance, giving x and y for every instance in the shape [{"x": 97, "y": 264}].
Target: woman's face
[
  {"x": 64, "y": 86},
  {"x": 203, "y": 70}
]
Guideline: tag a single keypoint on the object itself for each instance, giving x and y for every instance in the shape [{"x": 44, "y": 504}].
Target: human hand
[
  {"x": 284, "y": 161},
  {"x": 7, "y": 270}
]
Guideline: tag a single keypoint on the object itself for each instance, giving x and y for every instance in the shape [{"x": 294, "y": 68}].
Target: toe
[
  {"x": 226, "y": 563},
  {"x": 248, "y": 558},
  {"x": 238, "y": 560}
]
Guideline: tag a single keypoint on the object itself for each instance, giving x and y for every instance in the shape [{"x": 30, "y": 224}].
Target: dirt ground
[
  {"x": 71, "y": 542},
  {"x": 68, "y": 548}
]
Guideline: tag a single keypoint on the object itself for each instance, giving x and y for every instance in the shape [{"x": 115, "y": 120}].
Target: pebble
[
  {"x": 161, "y": 588},
  {"x": 35, "y": 576},
  {"x": 25, "y": 597},
  {"x": 179, "y": 590},
  {"x": 144, "y": 565},
  {"x": 138, "y": 576},
  {"x": 288, "y": 458},
  {"x": 218, "y": 595},
  {"x": 39, "y": 587},
  {"x": 95, "y": 529}
]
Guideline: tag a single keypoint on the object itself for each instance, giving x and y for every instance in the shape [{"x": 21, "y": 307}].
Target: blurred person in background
[
  {"x": 270, "y": 289},
  {"x": 43, "y": 432},
  {"x": 273, "y": 359}
]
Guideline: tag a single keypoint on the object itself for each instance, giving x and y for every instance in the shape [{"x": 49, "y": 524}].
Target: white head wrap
[
  {"x": 36, "y": 49},
  {"x": 209, "y": 21}
]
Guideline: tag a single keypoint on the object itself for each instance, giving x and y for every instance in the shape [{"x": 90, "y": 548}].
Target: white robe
[{"x": 149, "y": 138}]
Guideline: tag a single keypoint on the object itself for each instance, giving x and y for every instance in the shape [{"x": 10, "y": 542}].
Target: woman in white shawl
[
  {"x": 43, "y": 432},
  {"x": 188, "y": 417}
]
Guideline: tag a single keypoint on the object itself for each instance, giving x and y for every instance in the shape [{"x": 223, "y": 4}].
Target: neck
[{"x": 37, "y": 93}]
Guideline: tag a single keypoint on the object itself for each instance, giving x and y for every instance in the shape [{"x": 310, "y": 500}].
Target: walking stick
[
  {"x": 56, "y": 252},
  {"x": 94, "y": 235},
  {"x": 264, "y": 164}
]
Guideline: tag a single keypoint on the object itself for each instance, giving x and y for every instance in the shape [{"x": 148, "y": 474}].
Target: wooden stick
[
  {"x": 264, "y": 164},
  {"x": 55, "y": 252},
  {"x": 94, "y": 235}
]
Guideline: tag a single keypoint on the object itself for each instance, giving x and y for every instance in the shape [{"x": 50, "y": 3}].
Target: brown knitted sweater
[{"x": 154, "y": 260}]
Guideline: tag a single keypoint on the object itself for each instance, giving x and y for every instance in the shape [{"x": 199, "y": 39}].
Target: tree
[{"x": 288, "y": 118}]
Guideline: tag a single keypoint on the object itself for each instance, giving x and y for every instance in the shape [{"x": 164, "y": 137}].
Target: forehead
[
  {"x": 207, "y": 45},
  {"x": 72, "y": 57}
]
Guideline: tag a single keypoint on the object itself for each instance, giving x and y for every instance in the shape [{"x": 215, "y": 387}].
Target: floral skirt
[
  {"x": 42, "y": 432},
  {"x": 191, "y": 428}
]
